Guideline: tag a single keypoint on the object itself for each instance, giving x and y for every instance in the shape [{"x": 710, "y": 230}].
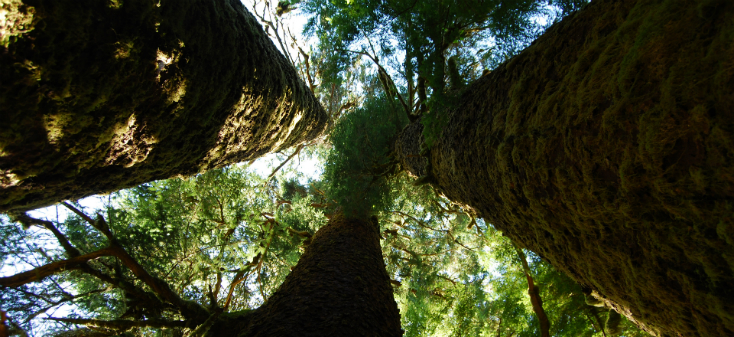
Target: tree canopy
[
  {"x": 205, "y": 235},
  {"x": 226, "y": 239},
  {"x": 424, "y": 51},
  {"x": 172, "y": 257}
]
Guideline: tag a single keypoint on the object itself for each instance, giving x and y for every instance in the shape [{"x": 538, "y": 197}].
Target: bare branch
[
  {"x": 100, "y": 224},
  {"x": 68, "y": 299},
  {"x": 239, "y": 277},
  {"x": 40, "y": 273},
  {"x": 78, "y": 212},
  {"x": 457, "y": 241},
  {"x": 28, "y": 221},
  {"x": 80, "y": 262},
  {"x": 418, "y": 222},
  {"x": 386, "y": 81},
  {"x": 274, "y": 27},
  {"x": 447, "y": 279},
  {"x": 126, "y": 286},
  {"x": 298, "y": 150},
  {"x": 121, "y": 324},
  {"x": 534, "y": 293},
  {"x": 311, "y": 83},
  {"x": 188, "y": 308}
]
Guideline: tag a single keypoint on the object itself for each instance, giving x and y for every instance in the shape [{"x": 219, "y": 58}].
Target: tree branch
[
  {"x": 190, "y": 309},
  {"x": 387, "y": 81},
  {"x": 40, "y": 273},
  {"x": 55, "y": 303},
  {"x": 239, "y": 277},
  {"x": 601, "y": 325},
  {"x": 457, "y": 241},
  {"x": 298, "y": 149},
  {"x": 446, "y": 278},
  {"x": 121, "y": 324},
  {"x": 311, "y": 84},
  {"x": 149, "y": 298},
  {"x": 418, "y": 222},
  {"x": 534, "y": 293},
  {"x": 28, "y": 221},
  {"x": 100, "y": 224}
]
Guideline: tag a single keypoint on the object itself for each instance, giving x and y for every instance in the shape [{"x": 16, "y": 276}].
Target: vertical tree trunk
[
  {"x": 338, "y": 288},
  {"x": 607, "y": 147},
  {"x": 96, "y": 96}
]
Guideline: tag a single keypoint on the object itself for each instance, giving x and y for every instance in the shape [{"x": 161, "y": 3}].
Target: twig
[
  {"x": 27, "y": 220},
  {"x": 55, "y": 303},
  {"x": 272, "y": 174}
]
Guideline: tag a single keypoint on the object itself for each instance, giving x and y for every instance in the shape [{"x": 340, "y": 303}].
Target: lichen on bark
[
  {"x": 96, "y": 96},
  {"x": 606, "y": 147}
]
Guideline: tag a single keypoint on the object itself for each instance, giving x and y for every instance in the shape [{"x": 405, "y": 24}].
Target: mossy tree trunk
[
  {"x": 96, "y": 96},
  {"x": 338, "y": 288},
  {"x": 607, "y": 147}
]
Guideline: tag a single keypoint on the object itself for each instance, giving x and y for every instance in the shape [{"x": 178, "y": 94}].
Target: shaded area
[
  {"x": 339, "y": 288},
  {"x": 605, "y": 147},
  {"x": 99, "y": 96}
]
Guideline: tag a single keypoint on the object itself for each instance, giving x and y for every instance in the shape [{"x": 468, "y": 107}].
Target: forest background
[{"x": 228, "y": 237}]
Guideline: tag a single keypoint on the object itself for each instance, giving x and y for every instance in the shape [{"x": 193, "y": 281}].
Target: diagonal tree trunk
[
  {"x": 607, "y": 148},
  {"x": 96, "y": 96},
  {"x": 338, "y": 288}
]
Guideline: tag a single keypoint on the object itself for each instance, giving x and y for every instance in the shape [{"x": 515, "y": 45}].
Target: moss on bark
[
  {"x": 338, "y": 288},
  {"x": 607, "y": 148},
  {"x": 96, "y": 96}
]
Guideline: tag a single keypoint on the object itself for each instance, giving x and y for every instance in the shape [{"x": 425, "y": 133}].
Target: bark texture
[
  {"x": 607, "y": 147},
  {"x": 338, "y": 288},
  {"x": 96, "y": 96}
]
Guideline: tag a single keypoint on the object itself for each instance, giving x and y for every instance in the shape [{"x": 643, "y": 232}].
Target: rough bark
[
  {"x": 607, "y": 147},
  {"x": 338, "y": 288},
  {"x": 96, "y": 96}
]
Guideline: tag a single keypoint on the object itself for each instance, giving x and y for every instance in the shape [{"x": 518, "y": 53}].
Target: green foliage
[
  {"x": 457, "y": 275},
  {"x": 359, "y": 160},
  {"x": 198, "y": 235},
  {"x": 455, "y": 278},
  {"x": 460, "y": 277},
  {"x": 414, "y": 39}
]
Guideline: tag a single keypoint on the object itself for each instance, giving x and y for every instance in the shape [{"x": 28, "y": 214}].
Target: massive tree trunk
[
  {"x": 338, "y": 288},
  {"x": 607, "y": 147},
  {"x": 96, "y": 96}
]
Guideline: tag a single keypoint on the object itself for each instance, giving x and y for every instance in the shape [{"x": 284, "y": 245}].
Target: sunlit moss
[
  {"x": 70, "y": 89},
  {"x": 123, "y": 49},
  {"x": 115, "y": 4},
  {"x": 16, "y": 19}
]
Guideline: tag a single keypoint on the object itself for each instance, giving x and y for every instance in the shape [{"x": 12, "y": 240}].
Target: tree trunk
[
  {"x": 607, "y": 147},
  {"x": 96, "y": 96},
  {"x": 338, "y": 288}
]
